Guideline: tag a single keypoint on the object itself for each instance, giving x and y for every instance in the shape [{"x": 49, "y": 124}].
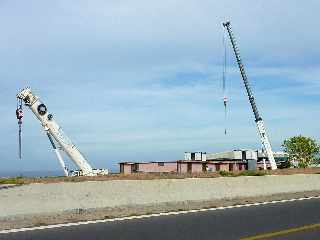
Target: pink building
[
  {"x": 185, "y": 166},
  {"x": 181, "y": 166},
  {"x": 148, "y": 167}
]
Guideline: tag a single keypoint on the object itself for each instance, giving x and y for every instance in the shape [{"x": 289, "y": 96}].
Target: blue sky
[{"x": 141, "y": 80}]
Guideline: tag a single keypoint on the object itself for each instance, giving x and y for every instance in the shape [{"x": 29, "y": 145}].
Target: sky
[{"x": 141, "y": 80}]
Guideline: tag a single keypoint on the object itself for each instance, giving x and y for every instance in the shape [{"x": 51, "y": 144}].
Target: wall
[
  {"x": 225, "y": 155},
  {"x": 182, "y": 167},
  {"x": 55, "y": 197},
  {"x": 212, "y": 166},
  {"x": 154, "y": 167},
  {"x": 224, "y": 167},
  {"x": 197, "y": 167},
  {"x": 125, "y": 168}
]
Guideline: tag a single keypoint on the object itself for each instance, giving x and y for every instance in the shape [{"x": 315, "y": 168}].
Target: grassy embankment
[{"x": 151, "y": 176}]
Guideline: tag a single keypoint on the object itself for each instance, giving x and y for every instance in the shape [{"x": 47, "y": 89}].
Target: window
[{"x": 160, "y": 164}]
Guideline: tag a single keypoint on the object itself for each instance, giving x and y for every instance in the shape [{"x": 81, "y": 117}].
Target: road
[{"x": 286, "y": 220}]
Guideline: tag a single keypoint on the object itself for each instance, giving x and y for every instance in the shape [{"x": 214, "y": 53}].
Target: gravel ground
[
  {"x": 81, "y": 214},
  {"x": 77, "y": 215}
]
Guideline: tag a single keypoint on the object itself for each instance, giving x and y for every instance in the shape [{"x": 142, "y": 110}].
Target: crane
[
  {"x": 55, "y": 134},
  {"x": 260, "y": 124}
]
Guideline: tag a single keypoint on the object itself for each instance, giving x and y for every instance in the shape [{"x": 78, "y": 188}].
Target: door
[
  {"x": 204, "y": 167},
  {"x": 189, "y": 167},
  {"x": 217, "y": 167},
  {"x": 230, "y": 167}
]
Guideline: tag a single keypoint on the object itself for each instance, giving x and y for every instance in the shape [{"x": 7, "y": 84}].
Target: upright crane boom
[
  {"x": 260, "y": 124},
  {"x": 53, "y": 129}
]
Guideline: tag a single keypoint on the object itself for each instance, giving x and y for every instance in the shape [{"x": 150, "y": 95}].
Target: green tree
[{"x": 301, "y": 150}]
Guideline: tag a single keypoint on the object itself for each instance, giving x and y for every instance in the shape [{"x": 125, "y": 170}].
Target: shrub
[
  {"x": 17, "y": 180},
  {"x": 226, "y": 173},
  {"x": 252, "y": 173}
]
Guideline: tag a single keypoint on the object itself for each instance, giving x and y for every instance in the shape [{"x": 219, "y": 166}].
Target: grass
[
  {"x": 226, "y": 174},
  {"x": 252, "y": 173},
  {"x": 17, "y": 180},
  {"x": 243, "y": 173},
  {"x": 151, "y": 176}
]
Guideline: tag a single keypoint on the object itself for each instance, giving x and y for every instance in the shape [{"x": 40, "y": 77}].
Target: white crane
[
  {"x": 55, "y": 133},
  {"x": 260, "y": 124}
]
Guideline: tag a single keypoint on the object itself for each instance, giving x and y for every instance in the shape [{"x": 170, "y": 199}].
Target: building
[
  {"x": 197, "y": 162},
  {"x": 195, "y": 156},
  {"x": 181, "y": 166},
  {"x": 148, "y": 167},
  {"x": 240, "y": 154},
  {"x": 250, "y": 157}
]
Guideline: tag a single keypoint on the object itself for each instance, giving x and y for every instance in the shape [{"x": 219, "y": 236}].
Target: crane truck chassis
[{"x": 57, "y": 137}]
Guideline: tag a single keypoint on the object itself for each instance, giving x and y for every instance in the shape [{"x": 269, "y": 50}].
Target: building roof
[
  {"x": 148, "y": 162},
  {"x": 186, "y": 161}
]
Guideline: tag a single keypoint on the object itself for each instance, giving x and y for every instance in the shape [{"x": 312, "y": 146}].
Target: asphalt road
[{"x": 290, "y": 220}]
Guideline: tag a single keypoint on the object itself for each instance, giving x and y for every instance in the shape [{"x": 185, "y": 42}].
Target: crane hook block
[{"x": 19, "y": 113}]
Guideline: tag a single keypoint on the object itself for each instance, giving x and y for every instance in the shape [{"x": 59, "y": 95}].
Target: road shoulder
[{"x": 76, "y": 215}]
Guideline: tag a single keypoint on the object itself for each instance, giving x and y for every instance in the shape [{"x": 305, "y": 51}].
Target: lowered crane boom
[
  {"x": 54, "y": 130},
  {"x": 260, "y": 124}
]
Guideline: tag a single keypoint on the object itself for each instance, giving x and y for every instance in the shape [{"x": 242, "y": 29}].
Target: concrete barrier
[{"x": 57, "y": 197}]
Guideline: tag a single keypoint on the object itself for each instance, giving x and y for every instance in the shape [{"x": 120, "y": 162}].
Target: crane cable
[
  {"x": 19, "y": 114},
  {"x": 224, "y": 73}
]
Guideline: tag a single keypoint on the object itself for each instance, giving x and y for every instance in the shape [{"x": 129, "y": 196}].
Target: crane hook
[{"x": 224, "y": 76}]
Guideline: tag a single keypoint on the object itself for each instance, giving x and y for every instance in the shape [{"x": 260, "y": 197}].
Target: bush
[
  {"x": 226, "y": 173},
  {"x": 243, "y": 173},
  {"x": 284, "y": 164},
  {"x": 17, "y": 180},
  {"x": 252, "y": 173}
]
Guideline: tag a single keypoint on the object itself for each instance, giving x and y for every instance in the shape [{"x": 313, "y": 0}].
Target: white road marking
[{"x": 151, "y": 215}]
